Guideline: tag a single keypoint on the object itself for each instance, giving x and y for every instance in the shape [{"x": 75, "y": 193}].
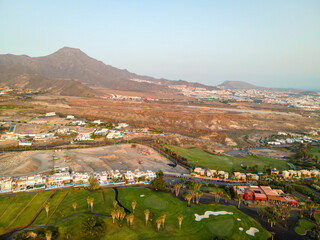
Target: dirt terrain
[
  {"x": 229, "y": 124},
  {"x": 121, "y": 157},
  {"x": 273, "y": 153}
]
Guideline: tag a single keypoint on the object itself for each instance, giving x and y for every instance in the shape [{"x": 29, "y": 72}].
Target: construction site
[{"x": 121, "y": 157}]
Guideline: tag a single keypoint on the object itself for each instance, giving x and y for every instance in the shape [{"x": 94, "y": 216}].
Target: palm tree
[
  {"x": 122, "y": 214},
  {"x": 74, "y": 205},
  {"x": 114, "y": 215},
  {"x": 115, "y": 204},
  {"x": 146, "y": 214},
  {"x": 193, "y": 194},
  {"x": 131, "y": 219},
  {"x": 239, "y": 197},
  {"x": 199, "y": 194},
  {"x": 180, "y": 218},
  {"x": 133, "y": 204},
  {"x": 128, "y": 219},
  {"x": 93, "y": 183},
  {"x": 46, "y": 206},
  {"x": 158, "y": 221},
  {"x": 163, "y": 219},
  {"x": 48, "y": 235},
  {"x": 90, "y": 201},
  {"x": 188, "y": 197},
  {"x": 272, "y": 235},
  {"x": 177, "y": 188}
]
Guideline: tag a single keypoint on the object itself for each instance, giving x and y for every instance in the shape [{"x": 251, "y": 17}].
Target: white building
[
  {"x": 78, "y": 123},
  {"x": 5, "y": 184},
  {"x": 84, "y": 137},
  {"x": 285, "y": 174},
  {"x": 103, "y": 131},
  {"x": 70, "y": 117},
  {"x": 50, "y": 114}
]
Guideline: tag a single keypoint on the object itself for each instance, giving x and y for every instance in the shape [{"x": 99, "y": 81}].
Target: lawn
[
  {"x": 304, "y": 226},
  {"x": 162, "y": 203},
  {"x": 222, "y": 226},
  {"x": 315, "y": 151},
  {"x": 18, "y": 202},
  {"x": 53, "y": 204},
  {"x": 227, "y": 163},
  {"x": 5, "y": 201},
  {"x": 31, "y": 210},
  {"x": 209, "y": 189},
  {"x": 102, "y": 203}
]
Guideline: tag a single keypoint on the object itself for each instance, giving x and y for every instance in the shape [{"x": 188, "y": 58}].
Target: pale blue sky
[{"x": 274, "y": 43}]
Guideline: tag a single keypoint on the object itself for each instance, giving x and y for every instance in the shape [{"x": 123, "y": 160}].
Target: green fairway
[
  {"x": 15, "y": 207},
  {"x": 155, "y": 202},
  {"x": 65, "y": 209},
  {"x": 31, "y": 210},
  {"x": 222, "y": 226},
  {"x": 227, "y": 163},
  {"x": 5, "y": 201},
  {"x": 304, "y": 226},
  {"x": 54, "y": 202},
  {"x": 225, "y": 226}
]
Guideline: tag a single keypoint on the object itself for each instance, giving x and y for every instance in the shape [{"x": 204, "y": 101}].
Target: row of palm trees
[
  {"x": 194, "y": 193},
  {"x": 311, "y": 207},
  {"x": 90, "y": 201},
  {"x": 118, "y": 213}
]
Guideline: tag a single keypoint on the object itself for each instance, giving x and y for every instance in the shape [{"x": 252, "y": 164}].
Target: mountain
[
  {"x": 238, "y": 85},
  {"x": 72, "y": 63},
  {"x": 21, "y": 77},
  {"x": 245, "y": 85}
]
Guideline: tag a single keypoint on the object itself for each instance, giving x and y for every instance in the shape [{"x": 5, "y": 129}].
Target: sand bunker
[
  {"x": 208, "y": 213},
  {"x": 252, "y": 231},
  {"x": 240, "y": 228}
]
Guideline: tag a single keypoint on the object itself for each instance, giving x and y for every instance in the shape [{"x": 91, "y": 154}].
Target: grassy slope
[
  {"x": 4, "y": 203},
  {"x": 303, "y": 226},
  {"x": 158, "y": 203},
  {"x": 31, "y": 210},
  {"x": 19, "y": 202},
  {"x": 191, "y": 229},
  {"x": 80, "y": 197},
  {"x": 226, "y": 163},
  {"x": 54, "y": 201}
]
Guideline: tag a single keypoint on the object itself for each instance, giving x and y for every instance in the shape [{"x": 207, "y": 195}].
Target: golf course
[
  {"x": 63, "y": 218},
  {"x": 227, "y": 163}
]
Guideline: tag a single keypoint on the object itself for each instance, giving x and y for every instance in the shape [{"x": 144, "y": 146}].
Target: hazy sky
[{"x": 273, "y": 43}]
